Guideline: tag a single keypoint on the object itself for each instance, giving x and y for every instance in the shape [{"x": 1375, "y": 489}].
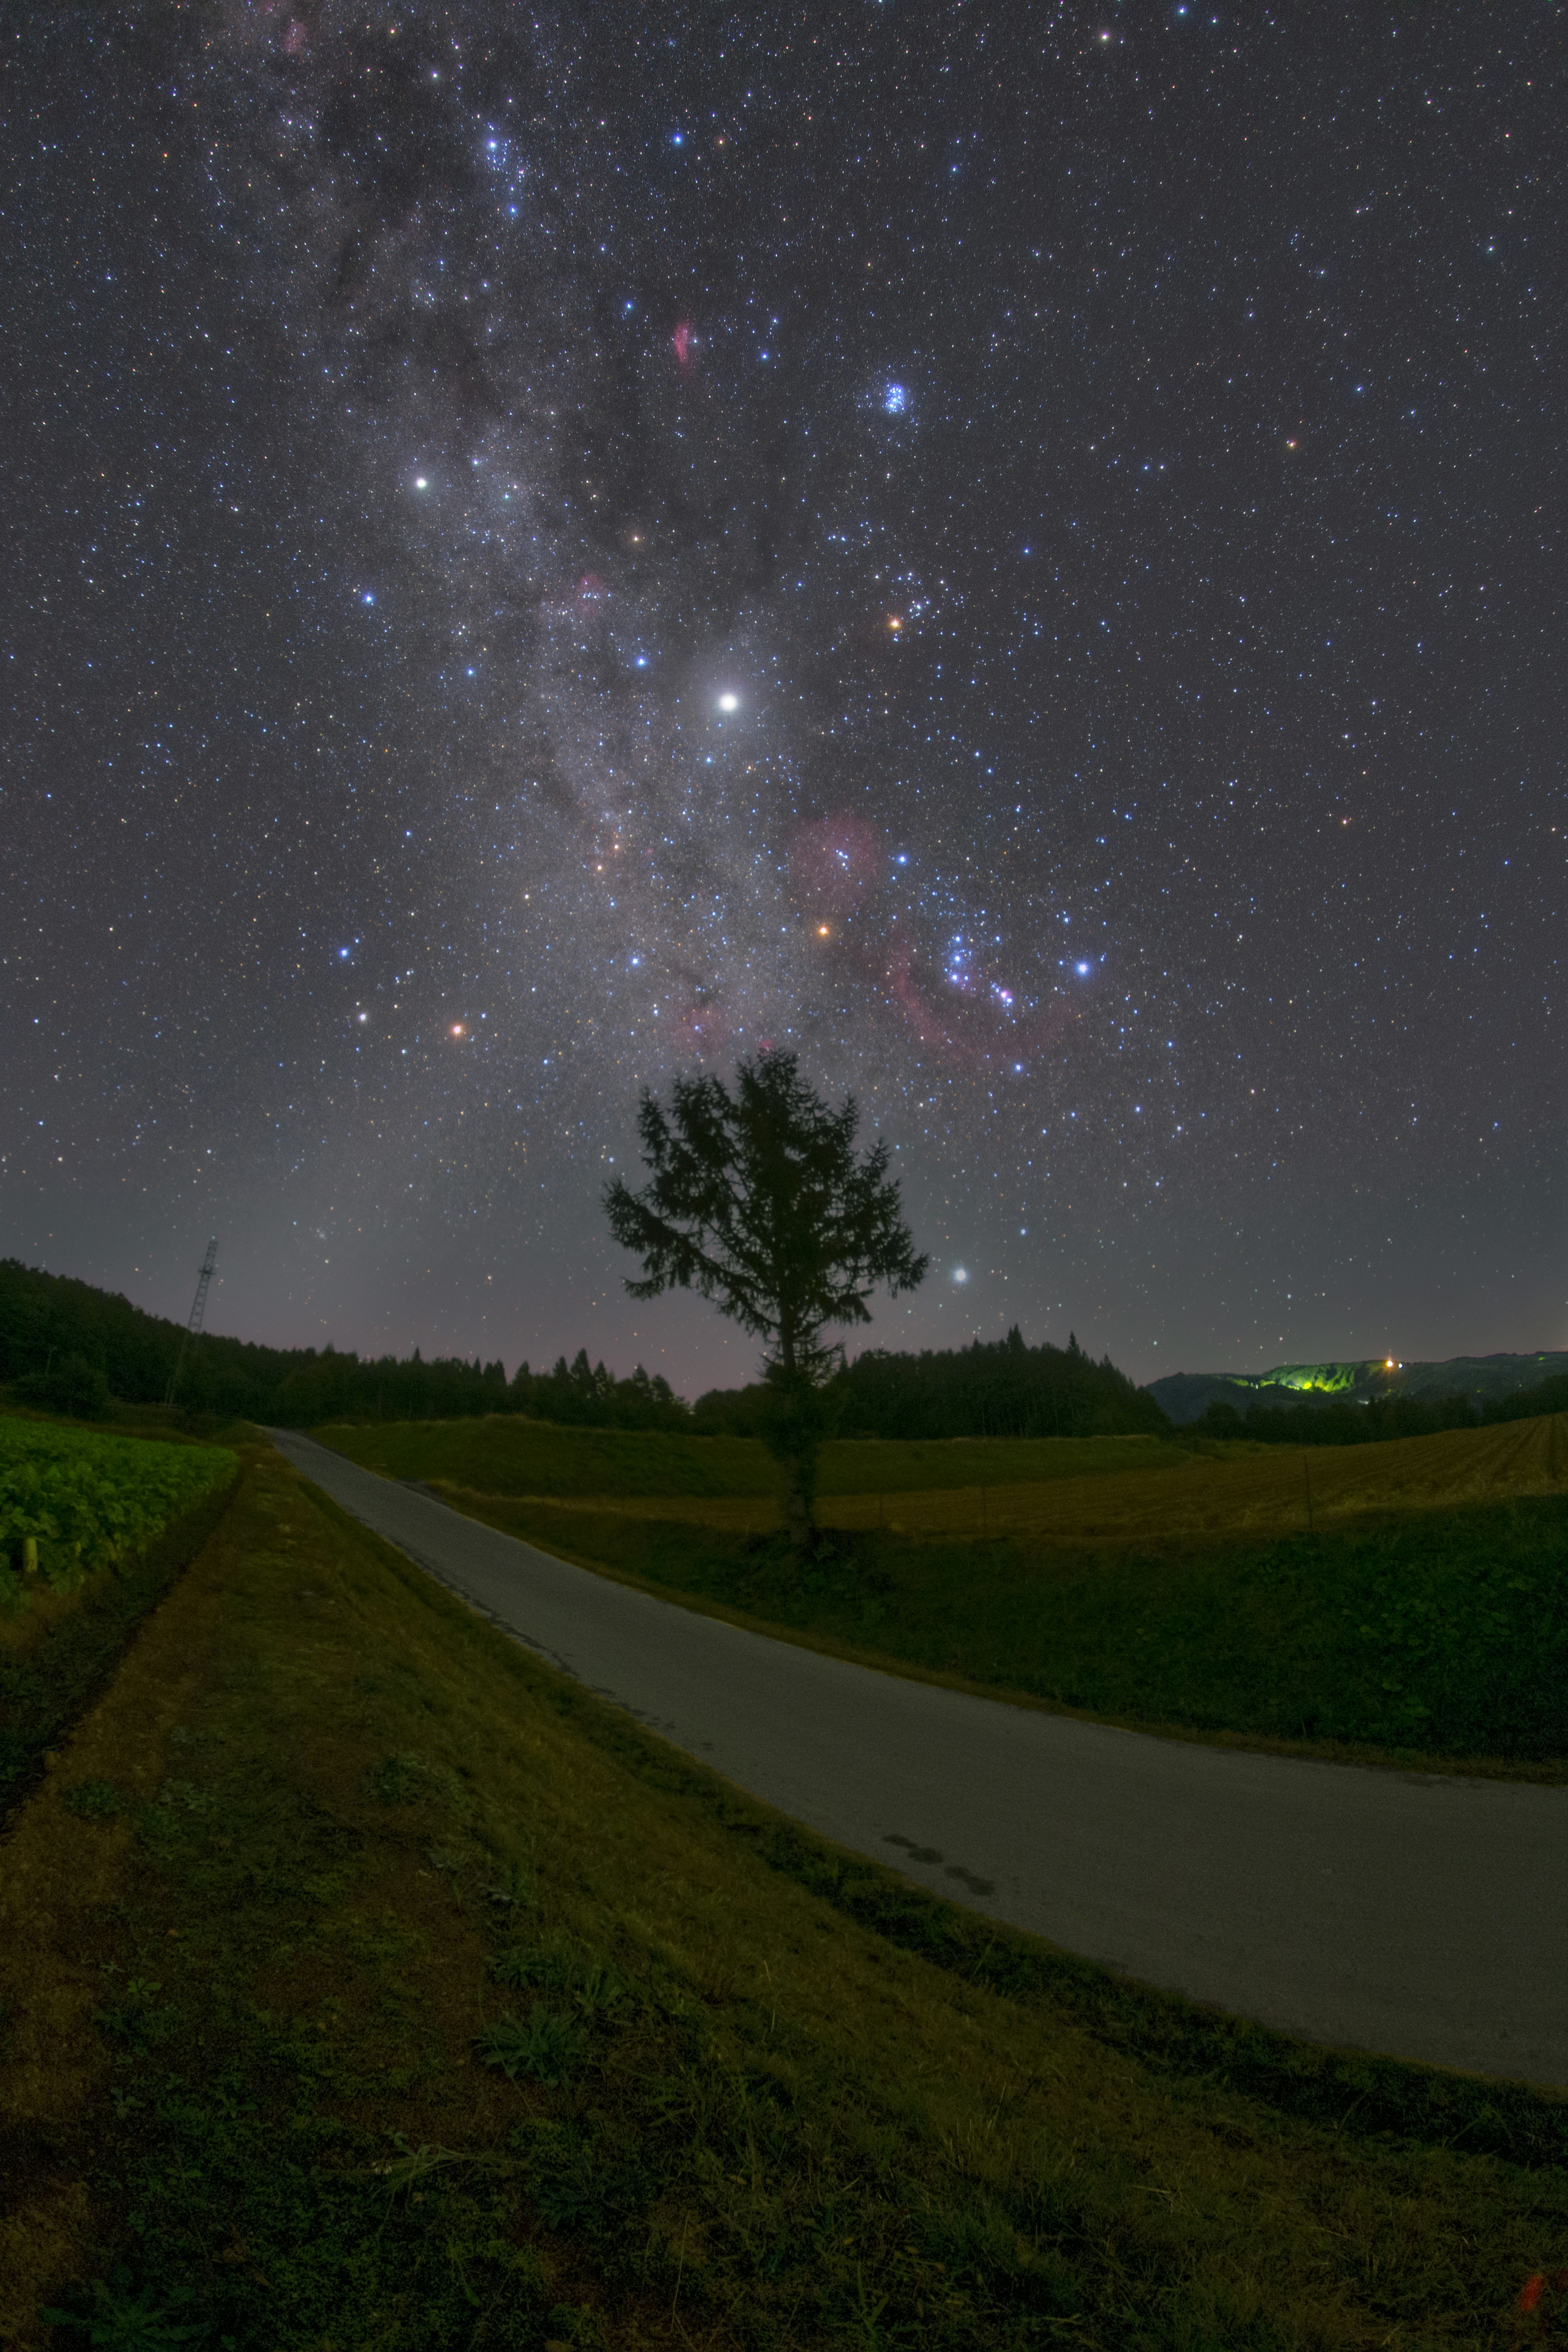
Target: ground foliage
[
  {"x": 74, "y": 1501},
  {"x": 57, "y": 1656},
  {"x": 387, "y": 1989}
]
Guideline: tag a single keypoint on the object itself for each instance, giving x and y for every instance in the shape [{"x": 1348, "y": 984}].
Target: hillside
[
  {"x": 368, "y": 1982},
  {"x": 1482, "y": 1379}
]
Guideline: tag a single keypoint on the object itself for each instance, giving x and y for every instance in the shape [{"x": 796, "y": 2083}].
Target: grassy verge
[
  {"x": 368, "y": 1984},
  {"x": 1436, "y": 1637},
  {"x": 504, "y": 1455},
  {"x": 57, "y": 1656}
]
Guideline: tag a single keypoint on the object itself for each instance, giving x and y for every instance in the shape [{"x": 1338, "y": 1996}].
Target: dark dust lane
[{"x": 1424, "y": 1918}]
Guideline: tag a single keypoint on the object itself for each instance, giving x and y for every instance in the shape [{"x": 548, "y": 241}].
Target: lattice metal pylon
[{"x": 193, "y": 1330}]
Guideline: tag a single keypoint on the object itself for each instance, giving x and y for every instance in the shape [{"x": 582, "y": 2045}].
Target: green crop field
[
  {"x": 72, "y": 1500},
  {"x": 504, "y": 1455}
]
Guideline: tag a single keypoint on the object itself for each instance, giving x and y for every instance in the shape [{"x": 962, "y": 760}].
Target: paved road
[{"x": 1423, "y": 1916}]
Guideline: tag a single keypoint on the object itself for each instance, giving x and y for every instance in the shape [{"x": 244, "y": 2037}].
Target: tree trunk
[
  {"x": 791, "y": 1431},
  {"x": 799, "y": 1496}
]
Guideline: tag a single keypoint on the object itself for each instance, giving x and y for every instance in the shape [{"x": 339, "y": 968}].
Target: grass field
[
  {"x": 1234, "y": 1490},
  {"x": 1407, "y": 1599},
  {"x": 1095, "y": 1489},
  {"x": 367, "y": 1984},
  {"x": 503, "y": 1454}
]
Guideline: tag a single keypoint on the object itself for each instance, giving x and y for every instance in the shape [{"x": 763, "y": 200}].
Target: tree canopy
[{"x": 757, "y": 1201}]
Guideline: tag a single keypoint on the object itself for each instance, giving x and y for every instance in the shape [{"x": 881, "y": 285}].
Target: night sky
[{"x": 1016, "y": 552}]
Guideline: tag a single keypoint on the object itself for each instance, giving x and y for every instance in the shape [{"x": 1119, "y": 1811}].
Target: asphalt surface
[{"x": 1421, "y": 1916}]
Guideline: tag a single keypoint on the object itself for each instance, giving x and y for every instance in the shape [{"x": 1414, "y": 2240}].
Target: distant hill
[{"x": 1186, "y": 1396}]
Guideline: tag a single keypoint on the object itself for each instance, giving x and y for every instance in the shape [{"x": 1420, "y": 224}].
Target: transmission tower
[{"x": 193, "y": 1330}]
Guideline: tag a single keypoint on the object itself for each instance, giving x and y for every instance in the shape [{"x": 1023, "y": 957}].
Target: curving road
[{"x": 1423, "y": 1916}]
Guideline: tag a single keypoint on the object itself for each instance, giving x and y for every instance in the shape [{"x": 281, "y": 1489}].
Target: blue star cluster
[{"x": 1012, "y": 550}]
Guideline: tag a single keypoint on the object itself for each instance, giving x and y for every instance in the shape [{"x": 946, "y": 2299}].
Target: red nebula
[
  {"x": 681, "y": 338},
  {"x": 295, "y": 38},
  {"x": 591, "y": 586},
  {"x": 834, "y": 864},
  {"x": 973, "y": 1026},
  {"x": 921, "y": 1016}
]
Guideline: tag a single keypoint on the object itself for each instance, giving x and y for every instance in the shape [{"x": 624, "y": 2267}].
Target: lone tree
[{"x": 757, "y": 1202}]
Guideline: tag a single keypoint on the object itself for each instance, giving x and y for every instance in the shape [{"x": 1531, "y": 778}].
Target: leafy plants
[
  {"x": 544, "y": 2047},
  {"x": 72, "y": 1501},
  {"x": 113, "y": 2317},
  {"x": 94, "y": 1800}
]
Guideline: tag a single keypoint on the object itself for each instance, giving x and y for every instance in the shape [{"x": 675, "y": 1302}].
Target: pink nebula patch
[{"x": 972, "y": 1024}]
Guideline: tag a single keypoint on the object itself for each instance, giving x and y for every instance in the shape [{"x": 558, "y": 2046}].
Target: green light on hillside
[{"x": 1321, "y": 1379}]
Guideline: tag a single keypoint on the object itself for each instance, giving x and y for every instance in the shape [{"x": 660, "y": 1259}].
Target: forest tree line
[
  {"x": 994, "y": 1388},
  {"x": 69, "y": 1347}
]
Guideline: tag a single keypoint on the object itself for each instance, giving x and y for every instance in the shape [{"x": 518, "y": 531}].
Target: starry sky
[{"x": 1017, "y": 551}]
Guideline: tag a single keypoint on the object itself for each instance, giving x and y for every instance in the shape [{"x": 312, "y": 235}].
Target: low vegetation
[
  {"x": 505, "y": 1454},
  {"x": 74, "y": 1501},
  {"x": 370, "y": 1984},
  {"x": 64, "y": 1629}
]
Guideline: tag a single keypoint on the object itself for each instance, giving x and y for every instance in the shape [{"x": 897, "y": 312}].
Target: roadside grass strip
[
  {"x": 74, "y": 1501},
  {"x": 1431, "y": 1638},
  {"x": 368, "y": 1983}
]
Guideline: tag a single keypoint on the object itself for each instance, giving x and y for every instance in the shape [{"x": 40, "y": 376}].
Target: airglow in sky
[{"x": 1014, "y": 561}]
